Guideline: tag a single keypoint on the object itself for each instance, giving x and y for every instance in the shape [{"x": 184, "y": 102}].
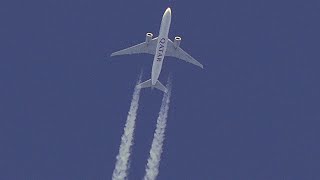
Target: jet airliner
[{"x": 160, "y": 47}]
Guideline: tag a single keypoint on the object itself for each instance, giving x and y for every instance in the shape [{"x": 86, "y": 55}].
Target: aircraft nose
[{"x": 168, "y": 10}]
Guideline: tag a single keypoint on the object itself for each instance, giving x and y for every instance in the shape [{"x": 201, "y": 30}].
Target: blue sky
[{"x": 252, "y": 113}]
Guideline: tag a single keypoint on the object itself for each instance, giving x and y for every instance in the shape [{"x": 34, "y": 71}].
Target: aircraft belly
[
  {"x": 156, "y": 69},
  {"x": 158, "y": 58},
  {"x": 161, "y": 47}
]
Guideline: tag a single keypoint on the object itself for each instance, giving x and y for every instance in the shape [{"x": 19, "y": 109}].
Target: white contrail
[
  {"x": 152, "y": 168},
  {"x": 120, "y": 171}
]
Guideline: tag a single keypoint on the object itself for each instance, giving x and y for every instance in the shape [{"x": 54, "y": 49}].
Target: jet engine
[
  {"x": 148, "y": 37},
  {"x": 177, "y": 41}
]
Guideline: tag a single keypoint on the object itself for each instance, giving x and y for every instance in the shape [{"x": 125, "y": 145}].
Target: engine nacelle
[
  {"x": 177, "y": 41},
  {"x": 148, "y": 37}
]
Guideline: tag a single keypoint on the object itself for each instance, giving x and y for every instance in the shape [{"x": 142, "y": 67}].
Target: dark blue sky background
[{"x": 252, "y": 113}]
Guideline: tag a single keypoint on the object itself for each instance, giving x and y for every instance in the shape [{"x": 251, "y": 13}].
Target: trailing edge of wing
[
  {"x": 180, "y": 54},
  {"x": 147, "y": 48}
]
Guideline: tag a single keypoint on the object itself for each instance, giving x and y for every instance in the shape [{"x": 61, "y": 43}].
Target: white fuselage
[{"x": 161, "y": 46}]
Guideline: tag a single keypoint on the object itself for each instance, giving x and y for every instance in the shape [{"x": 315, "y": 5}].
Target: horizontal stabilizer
[
  {"x": 161, "y": 87},
  {"x": 148, "y": 83},
  {"x": 145, "y": 84}
]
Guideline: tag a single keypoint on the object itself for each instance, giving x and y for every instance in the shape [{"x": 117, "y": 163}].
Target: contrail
[
  {"x": 120, "y": 171},
  {"x": 152, "y": 168}
]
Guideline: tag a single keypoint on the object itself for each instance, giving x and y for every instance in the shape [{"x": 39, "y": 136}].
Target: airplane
[{"x": 160, "y": 47}]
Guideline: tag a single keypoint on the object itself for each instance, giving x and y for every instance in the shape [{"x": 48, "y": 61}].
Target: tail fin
[{"x": 148, "y": 83}]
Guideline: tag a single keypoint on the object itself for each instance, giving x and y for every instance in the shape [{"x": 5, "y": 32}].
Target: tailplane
[{"x": 148, "y": 83}]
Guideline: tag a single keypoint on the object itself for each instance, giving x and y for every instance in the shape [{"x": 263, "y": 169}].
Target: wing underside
[
  {"x": 146, "y": 48},
  {"x": 179, "y": 53}
]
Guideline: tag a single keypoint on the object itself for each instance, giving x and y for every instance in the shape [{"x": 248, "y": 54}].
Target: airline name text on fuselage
[{"x": 160, "y": 53}]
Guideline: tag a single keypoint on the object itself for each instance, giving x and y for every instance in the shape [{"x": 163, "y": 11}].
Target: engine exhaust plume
[
  {"x": 152, "y": 168},
  {"x": 123, "y": 158}
]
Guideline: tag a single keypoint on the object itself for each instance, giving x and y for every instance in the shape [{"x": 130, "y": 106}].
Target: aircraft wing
[
  {"x": 147, "y": 48},
  {"x": 180, "y": 54}
]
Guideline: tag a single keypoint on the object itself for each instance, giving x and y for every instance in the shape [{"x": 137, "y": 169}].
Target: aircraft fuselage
[{"x": 161, "y": 46}]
